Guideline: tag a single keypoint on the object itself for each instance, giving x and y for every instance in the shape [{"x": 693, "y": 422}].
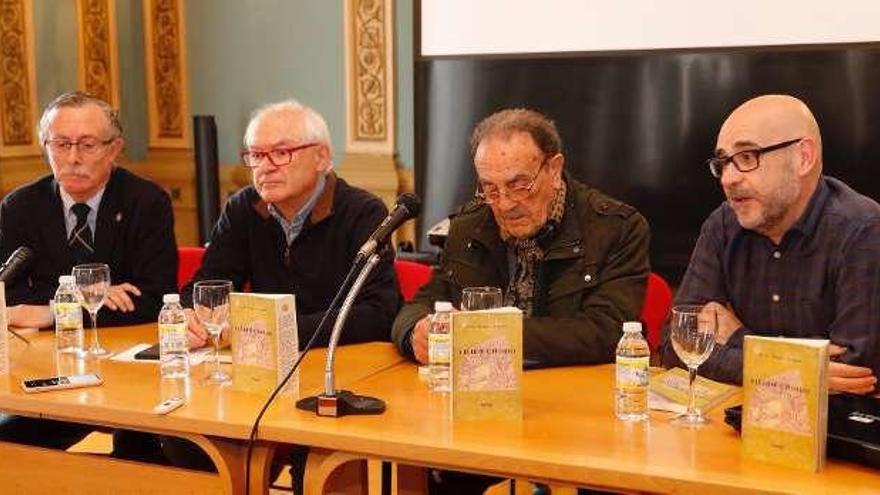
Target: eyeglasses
[
  {"x": 745, "y": 160},
  {"x": 518, "y": 189},
  {"x": 278, "y": 157},
  {"x": 86, "y": 146}
]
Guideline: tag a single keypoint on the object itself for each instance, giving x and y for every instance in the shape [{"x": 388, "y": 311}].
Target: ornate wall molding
[
  {"x": 369, "y": 29},
  {"x": 98, "y": 52},
  {"x": 18, "y": 93},
  {"x": 167, "y": 84}
]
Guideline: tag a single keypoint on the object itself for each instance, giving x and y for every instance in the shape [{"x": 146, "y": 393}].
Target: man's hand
[
  {"x": 195, "y": 331},
  {"x": 846, "y": 377},
  {"x": 728, "y": 323},
  {"x": 30, "y": 316},
  {"x": 118, "y": 298},
  {"x": 420, "y": 339}
]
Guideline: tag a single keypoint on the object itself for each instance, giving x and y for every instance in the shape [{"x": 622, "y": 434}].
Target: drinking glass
[
  {"x": 211, "y": 306},
  {"x": 692, "y": 330},
  {"x": 476, "y": 298},
  {"x": 93, "y": 280}
]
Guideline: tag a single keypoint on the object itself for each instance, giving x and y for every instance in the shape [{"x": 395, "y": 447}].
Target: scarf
[{"x": 528, "y": 254}]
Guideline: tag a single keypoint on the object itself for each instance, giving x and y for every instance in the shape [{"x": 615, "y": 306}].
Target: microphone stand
[{"x": 334, "y": 402}]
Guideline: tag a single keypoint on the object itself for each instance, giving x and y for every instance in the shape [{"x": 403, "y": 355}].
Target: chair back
[
  {"x": 411, "y": 276},
  {"x": 189, "y": 259},
  {"x": 655, "y": 310}
]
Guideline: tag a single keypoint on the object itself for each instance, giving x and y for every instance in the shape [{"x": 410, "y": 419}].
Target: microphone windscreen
[{"x": 411, "y": 202}]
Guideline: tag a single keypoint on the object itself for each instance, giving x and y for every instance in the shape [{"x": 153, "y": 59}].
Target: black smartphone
[{"x": 149, "y": 354}]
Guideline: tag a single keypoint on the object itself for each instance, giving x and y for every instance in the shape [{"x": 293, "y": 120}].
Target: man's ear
[
  {"x": 808, "y": 156},
  {"x": 117, "y": 146},
  {"x": 325, "y": 161}
]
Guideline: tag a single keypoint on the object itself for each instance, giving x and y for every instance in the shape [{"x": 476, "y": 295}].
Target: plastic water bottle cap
[
  {"x": 442, "y": 306},
  {"x": 66, "y": 279},
  {"x": 632, "y": 326},
  {"x": 170, "y": 298}
]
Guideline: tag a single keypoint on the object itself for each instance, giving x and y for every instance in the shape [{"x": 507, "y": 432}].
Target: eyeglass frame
[
  {"x": 99, "y": 145},
  {"x": 291, "y": 151},
  {"x": 713, "y": 161},
  {"x": 528, "y": 190}
]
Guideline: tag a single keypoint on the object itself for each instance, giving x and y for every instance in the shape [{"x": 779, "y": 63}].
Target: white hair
[{"x": 314, "y": 125}]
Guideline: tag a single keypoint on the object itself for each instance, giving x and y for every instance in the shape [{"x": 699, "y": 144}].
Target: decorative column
[
  {"x": 170, "y": 152},
  {"x": 18, "y": 92},
  {"x": 370, "y": 146},
  {"x": 167, "y": 80},
  {"x": 98, "y": 70}
]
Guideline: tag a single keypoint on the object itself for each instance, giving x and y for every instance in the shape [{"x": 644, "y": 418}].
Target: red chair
[
  {"x": 410, "y": 277},
  {"x": 189, "y": 259},
  {"x": 658, "y": 300}
]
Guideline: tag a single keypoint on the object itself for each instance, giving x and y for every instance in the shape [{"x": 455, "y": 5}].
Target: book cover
[
  {"x": 4, "y": 332},
  {"x": 674, "y": 385},
  {"x": 487, "y": 364},
  {"x": 785, "y": 404},
  {"x": 264, "y": 341}
]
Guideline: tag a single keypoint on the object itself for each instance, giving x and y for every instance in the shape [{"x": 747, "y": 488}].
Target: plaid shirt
[{"x": 821, "y": 281}]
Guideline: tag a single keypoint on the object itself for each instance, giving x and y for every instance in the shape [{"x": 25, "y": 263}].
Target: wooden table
[
  {"x": 218, "y": 419},
  {"x": 568, "y": 435}
]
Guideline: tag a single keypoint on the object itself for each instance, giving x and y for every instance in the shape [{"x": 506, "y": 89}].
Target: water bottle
[
  {"x": 68, "y": 317},
  {"x": 631, "y": 383},
  {"x": 440, "y": 346},
  {"x": 173, "y": 342}
]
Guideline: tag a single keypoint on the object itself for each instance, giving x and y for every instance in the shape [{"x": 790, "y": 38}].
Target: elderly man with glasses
[
  {"x": 88, "y": 210},
  {"x": 791, "y": 252},
  {"x": 573, "y": 259},
  {"x": 298, "y": 228}
]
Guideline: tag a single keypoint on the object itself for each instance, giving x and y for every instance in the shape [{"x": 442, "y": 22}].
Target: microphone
[
  {"x": 408, "y": 206},
  {"x": 17, "y": 263}
]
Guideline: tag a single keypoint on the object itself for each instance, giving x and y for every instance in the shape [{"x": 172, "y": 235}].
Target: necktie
[{"x": 80, "y": 241}]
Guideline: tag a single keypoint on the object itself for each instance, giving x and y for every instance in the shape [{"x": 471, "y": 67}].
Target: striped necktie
[{"x": 80, "y": 241}]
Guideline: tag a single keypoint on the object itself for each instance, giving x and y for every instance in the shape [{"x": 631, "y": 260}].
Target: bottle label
[
  {"x": 439, "y": 348},
  {"x": 632, "y": 373},
  {"x": 68, "y": 314},
  {"x": 172, "y": 329}
]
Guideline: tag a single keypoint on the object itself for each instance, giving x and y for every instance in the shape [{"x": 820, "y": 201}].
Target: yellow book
[
  {"x": 674, "y": 385},
  {"x": 487, "y": 364},
  {"x": 264, "y": 341},
  {"x": 785, "y": 407}
]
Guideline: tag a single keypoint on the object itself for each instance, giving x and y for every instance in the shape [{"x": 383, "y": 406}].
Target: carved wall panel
[
  {"x": 167, "y": 85},
  {"x": 98, "y": 54},
  {"x": 17, "y": 81},
  {"x": 370, "y": 75}
]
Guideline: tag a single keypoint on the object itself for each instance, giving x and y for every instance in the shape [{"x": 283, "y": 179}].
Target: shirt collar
[
  {"x": 293, "y": 227},
  {"x": 93, "y": 202},
  {"x": 808, "y": 221}
]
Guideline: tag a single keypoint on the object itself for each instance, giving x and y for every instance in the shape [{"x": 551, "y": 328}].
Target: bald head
[
  {"x": 771, "y": 155},
  {"x": 770, "y": 119}
]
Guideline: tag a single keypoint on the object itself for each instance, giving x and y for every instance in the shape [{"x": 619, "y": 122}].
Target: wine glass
[
  {"x": 93, "y": 280},
  {"x": 692, "y": 330},
  {"x": 211, "y": 306},
  {"x": 477, "y": 298}
]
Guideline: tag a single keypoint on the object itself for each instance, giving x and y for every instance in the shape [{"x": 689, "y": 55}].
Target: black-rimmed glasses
[
  {"x": 518, "y": 189},
  {"x": 278, "y": 157},
  {"x": 86, "y": 146},
  {"x": 745, "y": 160}
]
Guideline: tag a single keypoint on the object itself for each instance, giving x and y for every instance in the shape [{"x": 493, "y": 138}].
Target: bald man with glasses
[
  {"x": 573, "y": 259},
  {"x": 791, "y": 252}
]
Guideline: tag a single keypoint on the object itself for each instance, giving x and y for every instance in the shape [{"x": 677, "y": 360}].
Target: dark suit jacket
[{"x": 134, "y": 235}]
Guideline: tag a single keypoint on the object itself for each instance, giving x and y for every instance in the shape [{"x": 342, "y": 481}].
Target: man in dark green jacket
[{"x": 573, "y": 259}]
